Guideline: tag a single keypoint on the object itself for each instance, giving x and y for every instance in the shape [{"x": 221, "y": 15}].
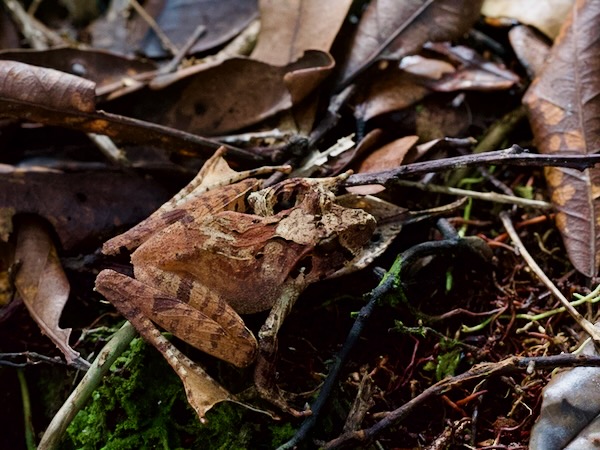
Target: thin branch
[{"x": 514, "y": 156}]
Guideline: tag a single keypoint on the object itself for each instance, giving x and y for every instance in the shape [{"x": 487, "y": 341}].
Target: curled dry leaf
[
  {"x": 390, "y": 29},
  {"x": 49, "y": 88},
  {"x": 288, "y": 29},
  {"x": 56, "y": 98},
  {"x": 42, "y": 284},
  {"x": 564, "y": 106}
]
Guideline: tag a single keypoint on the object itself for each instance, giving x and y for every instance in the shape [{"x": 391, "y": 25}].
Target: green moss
[{"x": 143, "y": 405}]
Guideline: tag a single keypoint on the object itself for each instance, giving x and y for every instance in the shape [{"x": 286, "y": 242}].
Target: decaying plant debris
[{"x": 417, "y": 182}]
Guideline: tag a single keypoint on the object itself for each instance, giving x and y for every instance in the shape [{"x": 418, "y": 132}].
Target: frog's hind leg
[
  {"x": 229, "y": 339},
  {"x": 202, "y": 391}
]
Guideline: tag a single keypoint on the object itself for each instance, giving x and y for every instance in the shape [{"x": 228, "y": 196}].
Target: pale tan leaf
[
  {"x": 546, "y": 15},
  {"x": 289, "y": 28}
]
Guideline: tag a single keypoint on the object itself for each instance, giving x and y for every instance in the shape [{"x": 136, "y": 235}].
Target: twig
[
  {"x": 514, "y": 156},
  {"x": 587, "y": 326},
  {"x": 172, "y": 65},
  {"x": 31, "y": 358},
  {"x": 109, "y": 149},
  {"x": 476, "y": 373},
  {"x": 486, "y": 196},
  {"x": 78, "y": 398}
]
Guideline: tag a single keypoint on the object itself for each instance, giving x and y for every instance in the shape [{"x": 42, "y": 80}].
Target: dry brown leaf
[
  {"x": 392, "y": 29},
  {"x": 48, "y": 88},
  {"x": 473, "y": 73},
  {"x": 564, "y": 106},
  {"x": 42, "y": 284},
  {"x": 289, "y": 28},
  {"x": 241, "y": 92},
  {"x": 79, "y": 206},
  {"x": 391, "y": 90},
  {"x": 531, "y": 49}
]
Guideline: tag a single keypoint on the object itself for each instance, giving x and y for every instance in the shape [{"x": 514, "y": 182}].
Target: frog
[{"x": 226, "y": 246}]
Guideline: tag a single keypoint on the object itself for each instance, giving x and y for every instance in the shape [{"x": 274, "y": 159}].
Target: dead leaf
[
  {"x": 46, "y": 88},
  {"x": 42, "y": 284},
  {"x": 390, "y": 156},
  {"x": 564, "y": 106},
  {"x": 531, "y": 49},
  {"x": 390, "y": 29},
  {"x": 80, "y": 206},
  {"x": 289, "y": 28},
  {"x": 389, "y": 90},
  {"x": 228, "y": 95},
  {"x": 473, "y": 72},
  {"x": 222, "y": 19},
  {"x": 546, "y": 15},
  {"x": 119, "y": 30}
]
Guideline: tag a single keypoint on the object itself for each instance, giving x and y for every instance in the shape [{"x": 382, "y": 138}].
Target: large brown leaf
[
  {"x": 228, "y": 95},
  {"x": 42, "y": 284},
  {"x": 80, "y": 206},
  {"x": 392, "y": 29},
  {"x": 289, "y": 28},
  {"x": 564, "y": 109}
]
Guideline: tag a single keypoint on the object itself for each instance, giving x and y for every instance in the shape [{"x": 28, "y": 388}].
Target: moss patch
[{"x": 143, "y": 405}]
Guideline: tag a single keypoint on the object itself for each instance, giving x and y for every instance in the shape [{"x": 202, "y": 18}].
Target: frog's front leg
[{"x": 265, "y": 370}]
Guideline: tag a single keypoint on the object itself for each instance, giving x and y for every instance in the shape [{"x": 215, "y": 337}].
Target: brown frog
[{"x": 213, "y": 252}]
